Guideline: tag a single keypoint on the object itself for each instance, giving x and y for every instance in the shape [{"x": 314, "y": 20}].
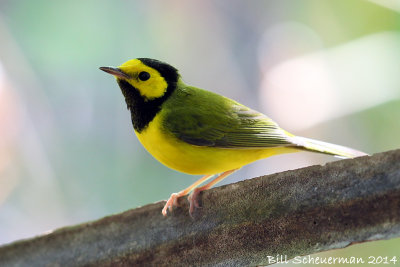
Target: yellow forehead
[
  {"x": 132, "y": 62},
  {"x": 154, "y": 87},
  {"x": 134, "y": 66}
]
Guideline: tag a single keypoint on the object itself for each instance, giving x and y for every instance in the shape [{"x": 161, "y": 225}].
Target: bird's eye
[{"x": 144, "y": 76}]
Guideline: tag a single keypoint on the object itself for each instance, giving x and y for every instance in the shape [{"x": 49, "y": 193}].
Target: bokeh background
[{"x": 323, "y": 69}]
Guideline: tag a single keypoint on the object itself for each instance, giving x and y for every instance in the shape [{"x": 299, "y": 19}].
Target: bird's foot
[
  {"x": 194, "y": 200},
  {"x": 171, "y": 202}
]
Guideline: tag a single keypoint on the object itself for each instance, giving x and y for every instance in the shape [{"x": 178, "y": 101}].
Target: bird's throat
[{"x": 142, "y": 110}]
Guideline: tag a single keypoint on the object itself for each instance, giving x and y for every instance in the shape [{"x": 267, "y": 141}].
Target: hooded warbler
[{"x": 195, "y": 131}]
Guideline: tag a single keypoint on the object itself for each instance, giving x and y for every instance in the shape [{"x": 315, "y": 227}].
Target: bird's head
[
  {"x": 146, "y": 84},
  {"x": 150, "y": 78}
]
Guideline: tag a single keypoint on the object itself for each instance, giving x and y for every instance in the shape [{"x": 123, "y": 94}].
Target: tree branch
[{"x": 291, "y": 213}]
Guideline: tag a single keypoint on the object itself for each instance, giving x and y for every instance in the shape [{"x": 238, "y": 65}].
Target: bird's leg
[
  {"x": 172, "y": 201},
  {"x": 193, "y": 197}
]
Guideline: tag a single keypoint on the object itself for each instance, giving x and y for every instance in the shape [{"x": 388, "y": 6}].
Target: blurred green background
[{"x": 323, "y": 69}]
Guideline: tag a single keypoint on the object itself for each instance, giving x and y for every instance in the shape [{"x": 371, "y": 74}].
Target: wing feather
[{"x": 203, "y": 118}]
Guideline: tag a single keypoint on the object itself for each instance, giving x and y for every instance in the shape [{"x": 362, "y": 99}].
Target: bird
[{"x": 199, "y": 132}]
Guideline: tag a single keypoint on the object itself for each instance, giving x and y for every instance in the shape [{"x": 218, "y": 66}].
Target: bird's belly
[{"x": 191, "y": 159}]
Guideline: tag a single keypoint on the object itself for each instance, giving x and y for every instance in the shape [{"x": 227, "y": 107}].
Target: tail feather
[{"x": 327, "y": 148}]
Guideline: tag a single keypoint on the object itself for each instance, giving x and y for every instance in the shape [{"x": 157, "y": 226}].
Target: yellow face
[{"x": 146, "y": 80}]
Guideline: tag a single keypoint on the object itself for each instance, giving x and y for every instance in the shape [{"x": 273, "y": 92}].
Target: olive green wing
[{"x": 202, "y": 118}]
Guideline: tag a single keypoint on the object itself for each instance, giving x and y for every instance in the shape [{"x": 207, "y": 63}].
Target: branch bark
[{"x": 291, "y": 213}]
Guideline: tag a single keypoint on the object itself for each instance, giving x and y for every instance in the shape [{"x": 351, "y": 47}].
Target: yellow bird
[{"x": 195, "y": 131}]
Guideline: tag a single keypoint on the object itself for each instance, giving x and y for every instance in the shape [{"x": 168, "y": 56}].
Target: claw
[
  {"x": 193, "y": 197},
  {"x": 194, "y": 200},
  {"x": 171, "y": 202}
]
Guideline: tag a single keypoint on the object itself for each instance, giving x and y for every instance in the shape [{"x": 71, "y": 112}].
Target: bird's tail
[{"x": 327, "y": 148}]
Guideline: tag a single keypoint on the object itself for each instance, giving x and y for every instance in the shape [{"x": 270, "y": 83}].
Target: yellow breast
[{"x": 191, "y": 159}]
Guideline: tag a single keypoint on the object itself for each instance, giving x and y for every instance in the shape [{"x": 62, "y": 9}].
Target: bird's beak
[{"x": 116, "y": 72}]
